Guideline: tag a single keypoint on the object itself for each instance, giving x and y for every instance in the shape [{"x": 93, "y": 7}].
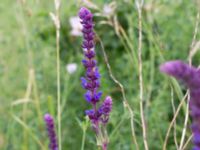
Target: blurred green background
[{"x": 28, "y": 70}]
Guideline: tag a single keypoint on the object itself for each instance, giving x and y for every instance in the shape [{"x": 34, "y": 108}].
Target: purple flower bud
[
  {"x": 93, "y": 97},
  {"x": 93, "y": 115},
  {"x": 88, "y": 34},
  {"x": 106, "y": 107},
  {"x": 51, "y": 131},
  {"x": 83, "y": 12},
  {"x": 96, "y": 97},
  {"x": 90, "y": 113},
  {"x": 89, "y": 64},
  {"x": 88, "y": 44},
  {"x": 90, "y": 54},
  {"x": 93, "y": 75},
  {"x": 84, "y": 82}
]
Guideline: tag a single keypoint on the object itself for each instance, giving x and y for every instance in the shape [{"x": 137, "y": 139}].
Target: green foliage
[{"x": 28, "y": 72}]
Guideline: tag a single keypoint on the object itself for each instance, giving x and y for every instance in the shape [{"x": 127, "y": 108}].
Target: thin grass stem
[
  {"x": 125, "y": 102},
  {"x": 83, "y": 140},
  {"x": 56, "y": 19},
  {"x": 192, "y": 46},
  {"x": 172, "y": 122},
  {"x": 142, "y": 115},
  {"x": 174, "y": 110}
]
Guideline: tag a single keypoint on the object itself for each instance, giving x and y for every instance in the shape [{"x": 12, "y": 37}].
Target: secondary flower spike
[
  {"x": 105, "y": 109},
  {"x": 191, "y": 77},
  {"x": 51, "y": 132}
]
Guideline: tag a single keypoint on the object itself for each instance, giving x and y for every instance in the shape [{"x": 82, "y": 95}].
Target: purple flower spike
[
  {"x": 91, "y": 81},
  {"x": 183, "y": 72},
  {"x": 177, "y": 68},
  {"x": 51, "y": 132},
  {"x": 191, "y": 77}
]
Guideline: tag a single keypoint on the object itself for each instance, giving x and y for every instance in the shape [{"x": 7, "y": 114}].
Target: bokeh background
[{"x": 28, "y": 87}]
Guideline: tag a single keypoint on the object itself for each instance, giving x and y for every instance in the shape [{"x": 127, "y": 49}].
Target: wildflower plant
[
  {"x": 191, "y": 77},
  {"x": 98, "y": 115}
]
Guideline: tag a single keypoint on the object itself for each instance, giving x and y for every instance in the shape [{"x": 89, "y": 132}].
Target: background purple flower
[
  {"x": 191, "y": 77},
  {"x": 51, "y": 132}
]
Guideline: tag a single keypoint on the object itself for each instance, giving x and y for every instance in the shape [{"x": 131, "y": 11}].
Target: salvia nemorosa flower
[
  {"x": 51, "y": 132},
  {"x": 91, "y": 81},
  {"x": 191, "y": 77}
]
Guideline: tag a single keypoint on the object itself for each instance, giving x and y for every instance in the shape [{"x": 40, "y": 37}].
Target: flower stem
[{"x": 83, "y": 140}]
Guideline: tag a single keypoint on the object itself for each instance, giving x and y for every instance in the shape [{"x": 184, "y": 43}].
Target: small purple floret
[{"x": 51, "y": 131}]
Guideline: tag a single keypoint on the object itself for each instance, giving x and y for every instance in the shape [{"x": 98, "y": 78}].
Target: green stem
[
  {"x": 58, "y": 86},
  {"x": 83, "y": 140}
]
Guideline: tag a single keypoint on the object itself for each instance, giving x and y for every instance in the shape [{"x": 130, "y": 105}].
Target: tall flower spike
[
  {"x": 51, "y": 131},
  {"x": 191, "y": 77},
  {"x": 91, "y": 82}
]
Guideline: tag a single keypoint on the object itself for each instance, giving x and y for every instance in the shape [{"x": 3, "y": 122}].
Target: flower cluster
[
  {"x": 191, "y": 77},
  {"x": 91, "y": 81},
  {"x": 51, "y": 132}
]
